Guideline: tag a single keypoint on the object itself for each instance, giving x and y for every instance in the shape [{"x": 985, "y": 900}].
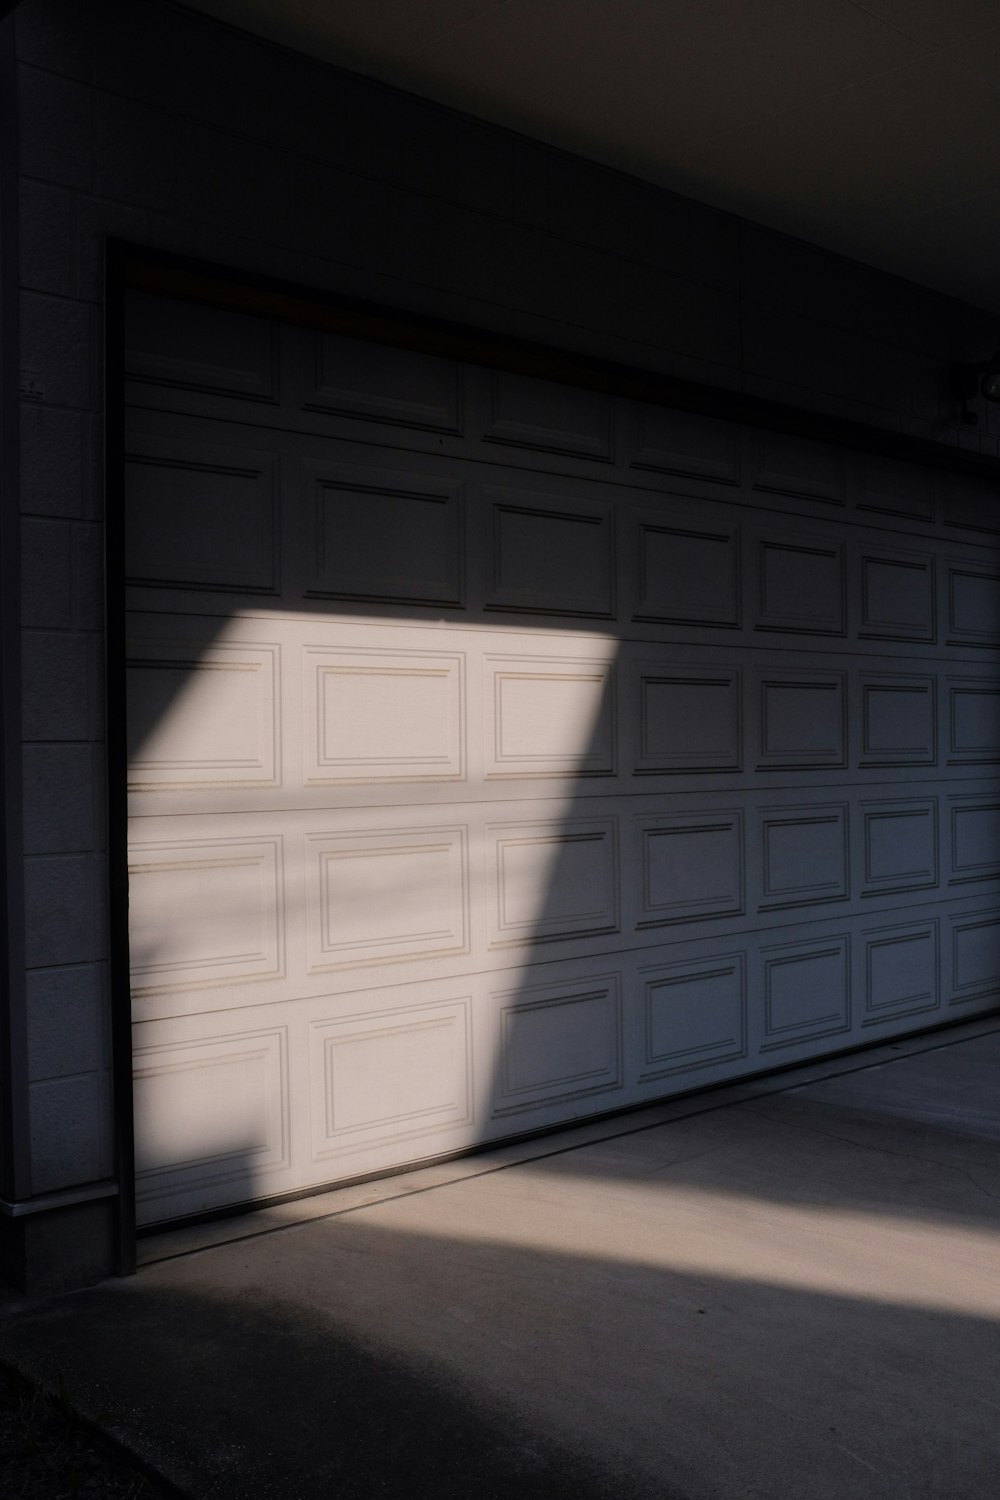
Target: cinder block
[
  {"x": 58, "y": 348},
  {"x": 60, "y": 799},
  {"x": 43, "y": 1254},
  {"x": 48, "y": 231},
  {"x": 54, "y": 121},
  {"x": 140, "y": 154},
  {"x": 70, "y": 1132},
  {"x": 45, "y": 572},
  {"x": 244, "y": 188},
  {"x": 58, "y": 671},
  {"x": 96, "y": 221},
  {"x": 64, "y": 905},
  {"x": 56, "y": 471},
  {"x": 68, "y": 1023},
  {"x": 60, "y": 35}
]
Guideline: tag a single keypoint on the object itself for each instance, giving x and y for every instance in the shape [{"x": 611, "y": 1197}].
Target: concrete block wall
[{"x": 141, "y": 120}]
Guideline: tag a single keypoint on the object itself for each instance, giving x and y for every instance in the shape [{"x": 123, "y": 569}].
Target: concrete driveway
[{"x": 789, "y": 1288}]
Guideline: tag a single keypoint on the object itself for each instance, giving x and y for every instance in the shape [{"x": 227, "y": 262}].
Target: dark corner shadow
[{"x": 398, "y": 1365}]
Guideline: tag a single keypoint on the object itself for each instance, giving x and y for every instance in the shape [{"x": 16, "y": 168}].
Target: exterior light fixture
[{"x": 969, "y": 381}]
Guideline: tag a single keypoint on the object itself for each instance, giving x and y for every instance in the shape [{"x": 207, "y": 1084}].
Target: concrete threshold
[{"x": 230, "y": 1228}]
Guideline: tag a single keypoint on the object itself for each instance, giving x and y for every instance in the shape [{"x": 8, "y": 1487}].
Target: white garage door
[{"x": 503, "y": 753}]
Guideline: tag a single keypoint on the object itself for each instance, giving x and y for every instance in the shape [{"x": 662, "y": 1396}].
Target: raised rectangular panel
[
  {"x": 973, "y": 721},
  {"x": 897, "y": 597},
  {"x": 796, "y": 466},
  {"x": 201, "y": 517},
  {"x": 549, "y": 557},
  {"x": 540, "y": 414},
  {"x": 970, "y": 503},
  {"x": 384, "y": 537},
  {"x": 204, "y": 913},
  {"x": 388, "y": 1075},
  {"x": 372, "y": 716},
  {"x": 901, "y": 971},
  {"x": 806, "y": 991},
  {"x": 549, "y": 717},
  {"x": 801, "y": 588},
  {"x": 802, "y": 720},
  {"x": 975, "y": 839},
  {"x": 558, "y": 1042},
  {"x": 804, "y": 855},
  {"x": 690, "y": 867},
  {"x": 688, "y": 575},
  {"x": 898, "y": 721},
  {"x": 382, "y": 384},
  {"x": 975, "y": 955},
  {"x": 200, "y": 348},
  {"x": 555, "y": 880},
  {"x": 900, "y": 845},
  {"x": 683, "y": 442},
  {"x": 206, "y": 718},
  {"x": 384, "y": 897},
  {"x": 209, "y": 1110},
  {"x": 892, "y": 487},
  {"x": 694, "y": 1014},
  {"x": 689, "y": 720},
  {"x": 973, "y": 605}
]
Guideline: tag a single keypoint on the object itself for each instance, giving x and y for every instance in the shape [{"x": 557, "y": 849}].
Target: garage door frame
[{"x": 134, "y": 267}]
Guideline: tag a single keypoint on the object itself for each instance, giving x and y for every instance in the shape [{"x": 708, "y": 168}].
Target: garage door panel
[
  {"x": 973, "y": 603},
  {"x": 552, "y": 880},
  {"x": 204, "y": 516},
  {"x": 897, "y": 719},
  {"x": 557, "y": 1043},
  {"x": 801, "y": 585},
  {"x": 969, "y": 504},
  {"x": 973, "y": 968},
  {"x": 889, "y": 486},
  {"x": 349, "y": 377},
  {"x": 685, "y": 567},
  {"x": 901, "y": 971},
  {"x": 390, "y": 895},
  {"x": 683, "y": 443},
  {"x": 973, "y": 720},
  {"x": 800, "y": 467},
  {"x": 212, "y": 1118},
  {"x": 689, "y": 866},
  {"x": 205, "y": 913},
  {"x": 388, "y": 1075},
  {"x": 201, "y": 349},
  {"x": 203, "y": 714},
  {"x": 694, "y": 1015},
  {"x": 541, "y": 415},
  {"x": 804, "y": 855},
  {"x": 805, "y": 990},
  {"x": 974, "y": 838},
  {"x": 429, "y": 847},
  {"x": 382, "y": 716},
  {"x": 533, "y": 536},
  {"x": 684, "y": 718},
  {"x": 897, "y": 594},
  {"x": 899, "y": 845},
  {"x": 382, "y": 535},
  {"x": 802, "y": 719},
  {"x": 549, "y": 716}
]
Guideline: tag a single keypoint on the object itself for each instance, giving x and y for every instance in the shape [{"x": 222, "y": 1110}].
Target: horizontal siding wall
[{"x": 141, "y": 120}]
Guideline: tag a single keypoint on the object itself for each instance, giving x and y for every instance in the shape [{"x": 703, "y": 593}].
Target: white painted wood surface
[{"x": 503, "y": 753}]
